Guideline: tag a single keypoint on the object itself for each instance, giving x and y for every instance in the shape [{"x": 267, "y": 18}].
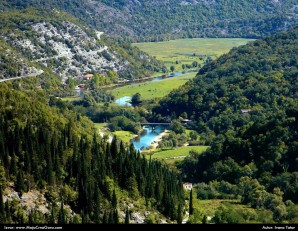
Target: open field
[
  {"x": 124, "y": 136},
  {"x": 100, "y": 126},
  {"x": 179, "y": 152},
  {"x": 186, "y": 51},
  {"x": 154, "y": 89}
]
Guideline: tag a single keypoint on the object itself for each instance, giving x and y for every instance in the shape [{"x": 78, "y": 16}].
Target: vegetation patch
[
  {"x": 124, "y": 136},
  {"x": 152, "y": 90},
  {"x": 179, "y": 152},
  {"x": 187, "y": 51}
]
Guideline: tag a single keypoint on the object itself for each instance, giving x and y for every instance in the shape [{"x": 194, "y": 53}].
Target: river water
[
  {"x": 147, "y": 137},
  {"x": 123, "y": 101}
]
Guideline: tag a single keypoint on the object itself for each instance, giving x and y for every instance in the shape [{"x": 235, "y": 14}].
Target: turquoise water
[
  {"x": 147, "y": 137},
  {"x": 175, "y": 74},
  {"x": 124, "y": 101}
]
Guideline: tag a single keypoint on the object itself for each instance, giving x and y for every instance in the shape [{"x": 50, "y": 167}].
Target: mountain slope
[
  {"x": 60, "y": 42},
  {"x": 55, "y": 168},
  {"x": 261, "y": 77},
  {"x": 245, "y": 106},
  {"x": 157, "y": 20}
]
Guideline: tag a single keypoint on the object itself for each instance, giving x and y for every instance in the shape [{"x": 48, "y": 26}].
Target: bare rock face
[
  {"x": 32, "y": 200},
  {"x": 69, "y": 50}
]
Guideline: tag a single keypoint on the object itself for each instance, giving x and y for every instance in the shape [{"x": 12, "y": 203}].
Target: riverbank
[{"x": 157, "y": 139}]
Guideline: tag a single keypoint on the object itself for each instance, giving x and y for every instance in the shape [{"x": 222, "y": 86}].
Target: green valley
[
  {"x": 187, "y": 51},
  {"x": 244, "y": 106},
  {"x": 152, "y": 90},
  {"x": 148, "y": 112}
]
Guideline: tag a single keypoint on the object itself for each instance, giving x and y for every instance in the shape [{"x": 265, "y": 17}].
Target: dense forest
[
  {"x": 56, "y": 151},
  {"x": 245, "y": 107},
  {"x": 161, "y": 20}
]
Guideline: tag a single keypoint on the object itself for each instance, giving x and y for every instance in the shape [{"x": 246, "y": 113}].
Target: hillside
[
  {"x": 55, "y": 168},
  {"x": 259, "y": 77},
  {"x": 162, "y": 20},
  {"x": 245, "y": 106},
  {"x": 59, "y": 42}
]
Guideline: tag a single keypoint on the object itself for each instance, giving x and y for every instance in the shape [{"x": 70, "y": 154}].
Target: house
[
  {"x": 88, "y": 77},
  {"x": 187, "y": 186},
  {"x": 186, "y": 121},
  {"x": 82, "y": 86},
  {"x": 245, "y": 111}
]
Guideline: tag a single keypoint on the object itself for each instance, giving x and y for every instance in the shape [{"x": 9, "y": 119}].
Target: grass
[
  {"x": 71, "y": 99},
  {"x": 100, "y": 125},
  {"x": 124, "y": 136},
  {"x": 174, "y": 156},
  {"x": 178, "y": 152},
  {"x": 210, "y": 206},
  {"x": 152, "y": 90},
  {"x": 185, "y": 51},
  {"x": 251, "y": 215}
]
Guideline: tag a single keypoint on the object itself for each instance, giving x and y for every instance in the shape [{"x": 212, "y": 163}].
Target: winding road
[{"x": 39, "y": 72}]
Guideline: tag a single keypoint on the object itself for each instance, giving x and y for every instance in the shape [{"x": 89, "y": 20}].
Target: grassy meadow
[
  {"x": 152, "y": 90},
  {"x": 179, "y": 152},
  {"x": 125, "y": 136},
  {"x": 71, "y": 99},
  {"x": 185, "y": 51},
  {"x": 173, "y": 156}
]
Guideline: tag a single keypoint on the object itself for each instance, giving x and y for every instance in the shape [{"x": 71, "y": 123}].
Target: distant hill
[
  {"x": 159, "y": 20},
  {"x": 59, "y": 42}
]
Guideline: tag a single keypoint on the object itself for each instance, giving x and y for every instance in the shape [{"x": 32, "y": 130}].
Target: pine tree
[
  {"x": 114, "y": 200},
  {"x": 20, "y": 185},
  {"x": 127, "y": 216},
  {"x": 105, "y": 218},
  {"x": 114, "y": 147},
  {"x": 116, "y": 217},
  {"x": 179, "y": 218},
  {"x": 30, "y": 219},
  {"x": 13, "y": 166},
  {"x": 111, "y": 218},
  {"x": 204, "y": 221},
  {"x": 7, "y": 211},
  {"x": 2, "y": 213},
  {"x": 61, "y": 217},
  {"x": 52, "y": 217},
  {"x": 97, "y": 206},
  {"x": 190, "y": 203}
]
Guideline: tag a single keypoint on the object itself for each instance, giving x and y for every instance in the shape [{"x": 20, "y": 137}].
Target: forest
[
  {"x": 244, "y": 105},
  {"x": 58, "y": 152}
]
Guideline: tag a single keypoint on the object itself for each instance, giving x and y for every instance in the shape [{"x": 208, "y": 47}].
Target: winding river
[{"x": 149, "y": 135}]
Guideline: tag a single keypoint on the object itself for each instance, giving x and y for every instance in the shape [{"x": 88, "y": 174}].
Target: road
[{"x": 39, "y": 72}]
